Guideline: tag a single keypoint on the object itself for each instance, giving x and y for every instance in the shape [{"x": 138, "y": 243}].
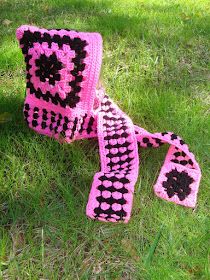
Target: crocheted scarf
[{"x": 62, "y": 71}]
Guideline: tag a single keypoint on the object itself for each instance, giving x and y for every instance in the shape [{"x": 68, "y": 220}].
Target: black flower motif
[
  {"x": 48, "y": 68},
  {"x": 178, "y": 183}
]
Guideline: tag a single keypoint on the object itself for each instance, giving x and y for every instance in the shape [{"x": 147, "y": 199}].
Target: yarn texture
[{"x": 62, "y": 71}]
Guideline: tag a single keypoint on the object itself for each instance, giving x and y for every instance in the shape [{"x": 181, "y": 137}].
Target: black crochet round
[
  {"x": 48, "y": 68},
  {"x": 178, "y": 183}
]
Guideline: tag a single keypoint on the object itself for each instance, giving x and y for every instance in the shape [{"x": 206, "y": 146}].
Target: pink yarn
[{"x": 62, "y": 71}]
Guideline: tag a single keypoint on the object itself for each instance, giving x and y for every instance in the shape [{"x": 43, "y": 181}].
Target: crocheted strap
[
  {"x": 180, "y": 174},
  {"x": 112, "y": 190},
  {"x": 178, "y": 180}
]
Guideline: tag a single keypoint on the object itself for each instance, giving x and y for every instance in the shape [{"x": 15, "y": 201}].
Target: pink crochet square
[{"x": 178, "y": 184}]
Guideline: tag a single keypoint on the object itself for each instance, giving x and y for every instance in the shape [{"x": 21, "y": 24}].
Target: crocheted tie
[{"x": 62, "y": 70}]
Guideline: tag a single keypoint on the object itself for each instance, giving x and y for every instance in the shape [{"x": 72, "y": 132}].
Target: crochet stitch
[{"x": 62, "y": 71}]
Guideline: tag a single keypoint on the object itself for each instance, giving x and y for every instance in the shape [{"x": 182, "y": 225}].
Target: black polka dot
[
  {"x": 35, "y": 115},
  {"x": 173, "y": 136},
  {"x": 66, "y": 120},
  {"x": 44, "y": 116},
  {"x": 65, "y": 127},
  {"x": 183, "y": 162},
  {"x": 43, "y": 125},
  {"x": 26, "y": 114},
  {"x": 27, "y": 106},
  {"x": 149, "y": 145},
  {"x": 182, "y": 142},
  {"x": 145, "y": 140},
  {"x": 190, "y": 162},
  {"x": 177, "y": 154},
  {"x": 58, "y": 122},
  {"x": 34, "y": 123}
]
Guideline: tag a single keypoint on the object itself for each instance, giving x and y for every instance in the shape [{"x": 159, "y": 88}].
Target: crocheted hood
[
  {"x": 62, "y": 70},
  {"x": 63, "y": 66}
]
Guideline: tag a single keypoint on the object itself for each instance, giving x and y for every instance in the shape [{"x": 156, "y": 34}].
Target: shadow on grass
[
  {"x": 40, "y": 177},
  {"x": 98, "y": 16}
]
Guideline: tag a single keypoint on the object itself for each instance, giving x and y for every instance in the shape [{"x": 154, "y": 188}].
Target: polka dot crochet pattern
[
  {"x": 62, "y": 71},
  {"x": 112, "y": 191}
]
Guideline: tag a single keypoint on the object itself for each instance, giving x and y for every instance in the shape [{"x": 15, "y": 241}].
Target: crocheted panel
[
  {"x": 179, "y": 184},
  {"x": 58, "y": 68},
  {"x": 180, "y": 175},
  {"x": 52, "y": 122},
  {"x": 112, "y": 191}
]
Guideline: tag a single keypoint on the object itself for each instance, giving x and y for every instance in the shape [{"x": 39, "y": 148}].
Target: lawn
[{"x": 156, "y": 68}]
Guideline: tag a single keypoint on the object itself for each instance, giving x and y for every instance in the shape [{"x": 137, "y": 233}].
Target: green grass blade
[{"x": 152, "y": 248}]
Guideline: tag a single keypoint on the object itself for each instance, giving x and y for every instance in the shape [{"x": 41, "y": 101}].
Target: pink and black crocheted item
[{"x": 62, "y": 71}]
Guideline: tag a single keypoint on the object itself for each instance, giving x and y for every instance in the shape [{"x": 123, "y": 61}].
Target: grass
[{"x": 155, "y": 66}]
